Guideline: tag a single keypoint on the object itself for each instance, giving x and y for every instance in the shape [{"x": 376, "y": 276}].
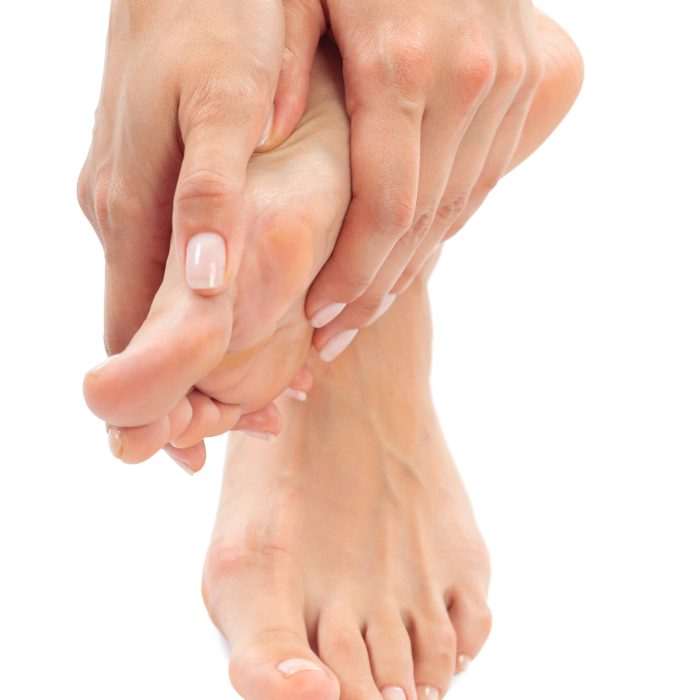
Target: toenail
[
  {"x": 268, "y": 129},
  {"x": 296, "y": 394},
  {"x": 205, "y": 264},
  {"x": 337, "y": 344},
  {"x": 116, "y": 444},
  {"x": 183, "y": 465},
  {"x": 428, "y": 692},
  {"x": 393, "y": 694},
  {"x": 99, "y": 367},
  {"x": 325, "y": 315},
  {"x": 463, "y": 662},
  {"x": 291, "y": 666},
  {"x": 389, "y": 299},
  {"x": 268, "y": 437}
]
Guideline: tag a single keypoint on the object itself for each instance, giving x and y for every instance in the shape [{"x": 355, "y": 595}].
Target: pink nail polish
[
  {"x": 463, "y": 662},
  {"x": 428, "y": 692},
  {"x": 296, "y": 394},
  {"x": 268, "y": 129},
  {"x": 268, "y": 437},
  {"x": 337, "y": 344},
  {"x": 205, "y": 265},
  {"x": 291, "y": 666},
  {"x": 389, "y": 299},
  {"x": 393, "y": 694},
  {"x": 325, "y": 315}
]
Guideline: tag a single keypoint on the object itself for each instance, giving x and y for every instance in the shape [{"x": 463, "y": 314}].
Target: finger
[
  {"x": 304, "y": 24},
  {"x": 440, "y": 141},
  {"x": 385, "y": 157},
  {"x": 222, "y": 119},
  {"x": 471, "y": 159}
]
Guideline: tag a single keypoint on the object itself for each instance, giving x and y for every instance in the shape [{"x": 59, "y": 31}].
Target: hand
[
  {"x": 437, "y": 94},
  {"x": 188, "y": 91}
]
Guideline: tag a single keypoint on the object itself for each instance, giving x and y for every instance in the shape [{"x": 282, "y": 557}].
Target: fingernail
[
  {"x": 205, "y": 266},
  {"x": 337, "y": 344},
  {"x": 268, "y": 437},
  {"x": 116, "y": 444},
  {"x": 98, "y": 368},
  {"x": 427, "y": 692},
  {"x": 393, "y": 694},
  {"x": 325, "y": 315},
  {"x": 291, "y": 666},
  {"x": 268, "y": 129},
  {"x": 463, "y": 662},
  {"x": 389, "y": 299},
  {"x": 296, "y": 394}
]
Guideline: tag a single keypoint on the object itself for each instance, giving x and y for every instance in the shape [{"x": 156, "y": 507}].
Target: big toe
[
  {"x": 279, "y": 665},
  {"x": 183, "y": 338}
]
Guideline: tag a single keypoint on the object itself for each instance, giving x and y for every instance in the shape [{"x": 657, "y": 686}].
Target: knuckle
[
  {"x": 221, "y": 99},
  {"x": 204, "y": 184},
  {"x": 419, "y": 227},
  {"x": 392, "y": 215},
  {"x": 365, "y": 308},
  {"x": 450, "y": 207},
  {"x": 84, "y": 192},
  {"x": 512, "y": 70},
  {"x": 400, "y": 58},
  {"x": 351, "y": 281},
  {"x": 477, "y": 70}
]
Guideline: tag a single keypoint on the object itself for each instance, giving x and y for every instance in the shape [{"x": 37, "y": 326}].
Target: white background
[{"x": 566, "y": 372}]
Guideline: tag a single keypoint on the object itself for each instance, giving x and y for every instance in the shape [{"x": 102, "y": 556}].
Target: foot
[
  {"x": 346, "y": 561},
  {"x": 242, "y": 349},
  {"x": 238, "y": 361}
]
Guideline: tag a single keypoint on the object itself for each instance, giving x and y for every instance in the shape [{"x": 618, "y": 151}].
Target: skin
[
  {"x": 435, "y": 120},
  {"x": 350, "y": 543},
  {"x": 243, "y": 350}
]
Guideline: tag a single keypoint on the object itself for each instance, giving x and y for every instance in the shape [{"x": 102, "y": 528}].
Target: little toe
[
  {"x": 434, "y": 643},
  {"x": 472, "y": 620},
  {"x": 389, "y": 647}
]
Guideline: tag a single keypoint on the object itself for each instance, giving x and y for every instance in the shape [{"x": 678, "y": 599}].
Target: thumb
[
  {"x": 304, "y": 25},
  {"x": 221, "y": 123}
]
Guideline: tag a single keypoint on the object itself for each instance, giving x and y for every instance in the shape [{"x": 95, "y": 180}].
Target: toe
[
  {"x": 434, "y": 643},
  {"x": 342, "y": 646},
  {"x": 191, "y": 459},
  {"x": 260, "y": 612},
  {"x": 204, "y": 421},
  {"x": 278, "y": 664},
  {"x": 134, "y": 445},
  {"x": 389, "y": 647},
  {"x": 472, "y": 621},
  {"x": 266, "y": 423}
]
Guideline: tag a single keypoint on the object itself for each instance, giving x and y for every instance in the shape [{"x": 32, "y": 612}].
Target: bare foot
[
  {"x": 345, "y": 560},
  {"x": 239, "y": 351}
]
